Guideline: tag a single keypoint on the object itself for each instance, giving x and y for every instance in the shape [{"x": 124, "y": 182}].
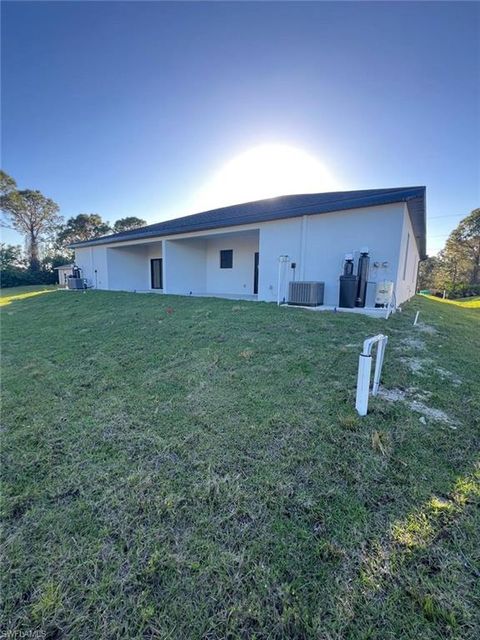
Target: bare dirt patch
[
  {"x": 430, "y": 412},
  {"x": 416, "y": 344},
  {"x": 419, "y": 394},
  {"x": 394, "y": 395},
  {"x": 415, "y": 365},
  {"x": 427, "y": 328},
  {"x": 398, "y": 395},
  {"x": 448, "y": 375},
  {"x": 419, "y": 365}
]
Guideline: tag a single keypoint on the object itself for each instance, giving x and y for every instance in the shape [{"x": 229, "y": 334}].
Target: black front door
[
  {"x": 156, "y": 273},
  {"x": 255, "y": 273}
]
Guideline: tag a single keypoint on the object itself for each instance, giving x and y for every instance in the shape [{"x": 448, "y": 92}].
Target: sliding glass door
[{"x": 156, "y": 273}]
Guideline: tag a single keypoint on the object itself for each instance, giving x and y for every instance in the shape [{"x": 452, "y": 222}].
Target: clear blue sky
[{"x": 130, "y": 108}]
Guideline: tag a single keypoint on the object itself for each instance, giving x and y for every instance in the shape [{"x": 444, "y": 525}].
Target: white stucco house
[{"x": 235, "y": 251}]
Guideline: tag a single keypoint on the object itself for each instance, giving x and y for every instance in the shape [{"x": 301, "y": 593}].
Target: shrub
[
  {"x": 464, "y": 291},
  {"x": 458, "y": 291},
  {"x": 17, "y": 277}
]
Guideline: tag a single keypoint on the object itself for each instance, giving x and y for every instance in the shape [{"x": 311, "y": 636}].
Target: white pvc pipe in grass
[
  {"x": 281, "y": 262},
  {"x": 389, "y": 305},
  {"x": 365, "y": 370}
]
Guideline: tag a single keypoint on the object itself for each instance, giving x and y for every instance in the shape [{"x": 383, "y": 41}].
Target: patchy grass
[
  {"x": 193, "y": 468},
  {"x": 466, "y": 303}
]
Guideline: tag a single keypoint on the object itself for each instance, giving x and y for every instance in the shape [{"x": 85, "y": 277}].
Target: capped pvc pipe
[{"x": 365, "y": 370}]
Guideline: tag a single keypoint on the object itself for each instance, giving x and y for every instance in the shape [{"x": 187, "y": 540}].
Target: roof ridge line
[{"x": 389, "y": 190}]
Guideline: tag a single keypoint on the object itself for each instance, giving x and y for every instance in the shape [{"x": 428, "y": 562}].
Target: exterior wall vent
[{"x": 306, "y": 294}]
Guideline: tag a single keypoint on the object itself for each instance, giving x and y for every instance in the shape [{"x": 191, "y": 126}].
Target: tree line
[
  {"x": 456, "y": 268},
  {"x": 46, "y": 234}
]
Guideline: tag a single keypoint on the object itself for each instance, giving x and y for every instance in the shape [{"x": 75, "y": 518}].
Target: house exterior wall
[
  {"x": 238, "y": 279},
  {"x": 128, "y": 268},
  {"x": 409, "y": 258},
  {"x": 91, "y": 260},
  {"x": 318, "y": 244},
  {"x": 118, "y": 268},
  {"x": 284, "y": 237},
  {"x": 184, "y": 266}
]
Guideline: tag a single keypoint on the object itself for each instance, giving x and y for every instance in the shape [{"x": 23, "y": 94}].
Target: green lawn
[{"x": 194, "y": 468}]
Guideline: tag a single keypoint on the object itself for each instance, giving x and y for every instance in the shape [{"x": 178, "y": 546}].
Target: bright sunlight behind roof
[{"x": 265, "y": 171}]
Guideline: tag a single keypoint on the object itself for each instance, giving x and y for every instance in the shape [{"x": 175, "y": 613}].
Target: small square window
[{"x": 226, "y": 258}]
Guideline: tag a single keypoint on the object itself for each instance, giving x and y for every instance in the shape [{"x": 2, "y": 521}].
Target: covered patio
[
  {"x": 219, "y": 264},
  {"x": 136, "y": 267},
  {"x": 216, "y": 264}
]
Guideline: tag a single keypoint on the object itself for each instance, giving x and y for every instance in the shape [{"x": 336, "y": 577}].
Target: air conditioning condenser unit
[{"x": 306, "y": 294}]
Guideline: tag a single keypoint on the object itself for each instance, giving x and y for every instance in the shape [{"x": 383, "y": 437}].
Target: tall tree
[
  {"x": 458, "y": 264},
  {"x": 82, "y": 227},
  {"x": 128, "y": 223},
  {"x": 450, "y": 271},
  {"x": 7, "y": 183},
  {"x": 34, "y": 216},
  {"x": 464, "y": 242},
  {"x": 427, "y": 271}
]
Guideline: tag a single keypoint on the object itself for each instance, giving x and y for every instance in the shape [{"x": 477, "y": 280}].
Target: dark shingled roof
[{"x": 290, "y": 206}]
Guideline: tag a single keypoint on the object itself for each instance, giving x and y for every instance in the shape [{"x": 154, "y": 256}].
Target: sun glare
[{"x": 265, "y": 171}]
